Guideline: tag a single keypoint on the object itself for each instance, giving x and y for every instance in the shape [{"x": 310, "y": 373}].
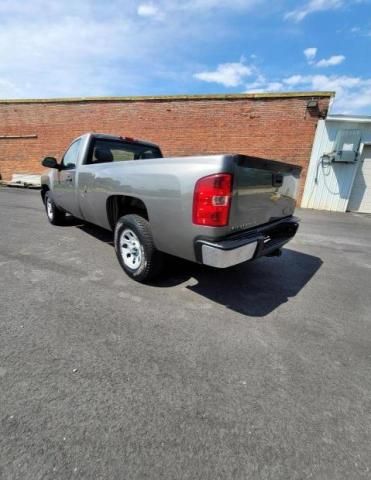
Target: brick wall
[{"x": 277, "y": 127}]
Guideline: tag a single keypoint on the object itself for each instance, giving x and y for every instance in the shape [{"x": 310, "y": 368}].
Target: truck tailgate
[{"x": 263, "y": 191}]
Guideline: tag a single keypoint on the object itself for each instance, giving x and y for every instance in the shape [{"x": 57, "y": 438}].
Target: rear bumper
[{"x": 247, "y": 245}]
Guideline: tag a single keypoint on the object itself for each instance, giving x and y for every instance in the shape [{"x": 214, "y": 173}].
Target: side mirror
[{"x": 50, "y": 162}]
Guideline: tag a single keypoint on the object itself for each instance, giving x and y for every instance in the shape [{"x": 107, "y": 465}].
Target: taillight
[{"x": 212, "y": 200}]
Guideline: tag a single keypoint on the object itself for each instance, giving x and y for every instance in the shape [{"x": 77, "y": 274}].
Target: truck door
[{"x": 65, "y": 184}]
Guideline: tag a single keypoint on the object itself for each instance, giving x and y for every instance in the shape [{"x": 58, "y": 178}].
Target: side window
[
  {"x": 106, "y": 151},
  {"x": 70, "y": 157}
]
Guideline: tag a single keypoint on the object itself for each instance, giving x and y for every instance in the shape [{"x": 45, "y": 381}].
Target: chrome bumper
[
  {"x": 219, "y": 258},
  {"x": 248, "y": 245}
]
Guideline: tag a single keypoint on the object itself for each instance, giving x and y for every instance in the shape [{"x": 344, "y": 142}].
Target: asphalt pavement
[{"x": 262, "y": 371}]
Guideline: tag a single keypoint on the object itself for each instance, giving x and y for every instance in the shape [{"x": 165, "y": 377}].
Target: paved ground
[{"x": 260, "y": 372}]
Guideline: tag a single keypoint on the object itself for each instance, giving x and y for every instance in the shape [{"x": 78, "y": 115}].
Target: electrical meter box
[{"x": 346, "y": 146}]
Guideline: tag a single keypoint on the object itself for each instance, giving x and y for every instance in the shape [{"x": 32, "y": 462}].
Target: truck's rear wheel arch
[{"x": 120, "y": 205}]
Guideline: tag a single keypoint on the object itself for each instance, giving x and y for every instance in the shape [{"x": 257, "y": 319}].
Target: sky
[{"x": 73, "y": 48}]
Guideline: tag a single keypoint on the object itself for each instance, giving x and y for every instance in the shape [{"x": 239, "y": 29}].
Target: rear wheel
[
  {"x": 135, "y": 248},
  {"x": 54, "y": 214}
]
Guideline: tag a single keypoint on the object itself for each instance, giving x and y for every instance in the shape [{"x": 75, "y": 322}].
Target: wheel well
[
  {"x": 119, "y": 205},
  {"x": 44, "y": 189}
]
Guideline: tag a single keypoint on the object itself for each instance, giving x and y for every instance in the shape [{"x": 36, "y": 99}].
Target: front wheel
[
  {"x": 54, "y": 214},
  {"x": 135, "y": 248}
]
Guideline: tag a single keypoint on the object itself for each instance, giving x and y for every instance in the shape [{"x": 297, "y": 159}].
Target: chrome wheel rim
[
  {"x": 49, "y": 209},
  {"x": 131, "y": 249}
]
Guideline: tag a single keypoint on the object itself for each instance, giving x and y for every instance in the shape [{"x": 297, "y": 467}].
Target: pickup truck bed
[{"x": 219, "y": 210}]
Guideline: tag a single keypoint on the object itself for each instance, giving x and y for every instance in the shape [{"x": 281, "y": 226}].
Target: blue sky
[{"x": 51, "y": 48}]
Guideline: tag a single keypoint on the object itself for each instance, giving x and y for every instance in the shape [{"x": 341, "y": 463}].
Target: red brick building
[{"x": 279, "y": 126}]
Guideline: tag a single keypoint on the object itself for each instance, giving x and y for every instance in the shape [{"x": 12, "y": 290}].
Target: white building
[{"x": 339, "y": 171}]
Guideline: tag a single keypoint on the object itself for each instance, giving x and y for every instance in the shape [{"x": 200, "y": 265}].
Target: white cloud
[
  {"x": 310, "y": 53},
  {"x": 332, "y": 61},
  {"x": 148, "y": 10},
  {"x": 8, "y": 89},
  {"x": 312, "y": 6},
  {"x": 274, "y": 86},
  {"x": 211, "y": 4},
  {"x": 227, "y": 74},
  {"x": 293, "y": 80},
  {"x": 353, "y": 94},
  {"x": 261, "y": 84},
  {"x": 64, "y": 57},
  {"x": 88, "y": 47}
]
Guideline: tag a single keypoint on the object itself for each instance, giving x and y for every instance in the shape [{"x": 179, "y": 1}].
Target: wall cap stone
[{"x": 174, "y": 98}]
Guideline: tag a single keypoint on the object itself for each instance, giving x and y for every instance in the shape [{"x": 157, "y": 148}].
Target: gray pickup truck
[{"x": 217, "y": 210}]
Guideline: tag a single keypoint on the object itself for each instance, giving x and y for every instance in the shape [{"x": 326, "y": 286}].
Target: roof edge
[
  {"x": 349, "y": 118},
  {"x": 216, "y": 96}
]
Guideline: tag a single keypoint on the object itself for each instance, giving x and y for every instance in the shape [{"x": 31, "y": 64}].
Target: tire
[
  {"x": 135, "y": 248},
  {"x": 54, "y": 214}
]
